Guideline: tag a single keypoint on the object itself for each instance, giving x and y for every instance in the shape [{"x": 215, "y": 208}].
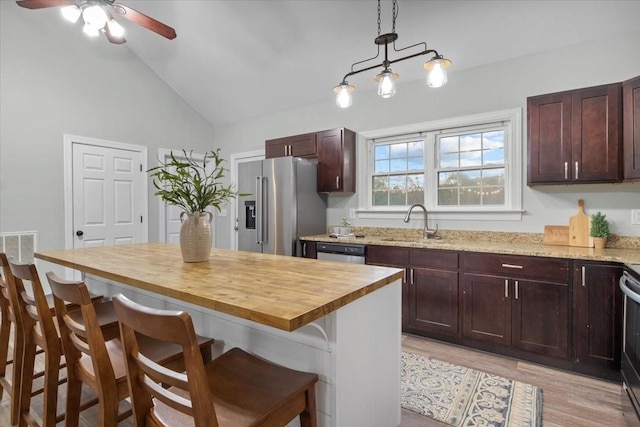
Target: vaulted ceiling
[{"x": 237, "y": 59}]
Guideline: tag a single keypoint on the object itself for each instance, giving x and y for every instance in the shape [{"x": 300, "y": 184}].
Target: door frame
[
  {"x": 234, "y": 160},
  {"x": 68, "y": 141}
]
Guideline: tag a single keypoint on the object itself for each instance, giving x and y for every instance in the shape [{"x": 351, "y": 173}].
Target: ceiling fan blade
[
  {"x": 145, "y": 21},
  {"x": 39, "y": 4}
]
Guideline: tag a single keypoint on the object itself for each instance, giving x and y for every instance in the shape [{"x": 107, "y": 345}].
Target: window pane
[
  {"x": 449, "y": 145},
  {"x": 470, "y": 196},
  {"x": 380, "y": 198},
  {"x": 416, "y": 149},
  {"x": 471, "y": 142},
  {"x": 493, "y": 196},
  {"x": 381, "y": 152},
  {"x": 448, "y": 179},
  {"x": 448, "y": 197},
  {"x": 449, "y": 160},
  {"x": 415, "y": 163},
  {"x": 471, "y": 158},
  {"x": 381, "y": 166},
  {"x": 493, "y": 177},
  {"x": 415, "y": 189},
  {"x": 380, "y": 182},
  {"x": 398, "y": 165},
  {"x": 398, "y": 150}
]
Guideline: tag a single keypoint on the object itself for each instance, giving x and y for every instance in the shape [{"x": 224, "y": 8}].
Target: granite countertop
[{"x": 623, "y": 250}]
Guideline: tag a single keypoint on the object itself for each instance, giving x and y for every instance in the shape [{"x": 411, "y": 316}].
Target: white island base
[{"x": 355, "y": 350}]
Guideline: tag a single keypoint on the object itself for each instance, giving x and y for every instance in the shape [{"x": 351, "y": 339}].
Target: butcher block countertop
[
  {"x": 626, "y": 250},
  {"x": 279, "y": 291}
]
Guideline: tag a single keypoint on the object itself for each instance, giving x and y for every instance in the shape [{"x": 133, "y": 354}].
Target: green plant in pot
[
  {"x": 599, "y": 230},
  {"x": 193, "y": 185}
]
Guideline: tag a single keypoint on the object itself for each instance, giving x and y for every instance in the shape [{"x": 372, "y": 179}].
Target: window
[
  {"x": 466, "y": 165},
  {"x": 471, "y": 168}
]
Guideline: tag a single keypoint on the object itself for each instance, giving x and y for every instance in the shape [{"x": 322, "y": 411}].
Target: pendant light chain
[
  {"x": 394, "y": 15},
  {"x": 379, "y": 32}
]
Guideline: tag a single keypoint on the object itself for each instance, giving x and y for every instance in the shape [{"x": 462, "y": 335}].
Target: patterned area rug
[{"x": 465, "y": 397}]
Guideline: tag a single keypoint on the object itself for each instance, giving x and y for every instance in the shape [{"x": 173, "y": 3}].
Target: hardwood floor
[{"x": 568, "y": 400}]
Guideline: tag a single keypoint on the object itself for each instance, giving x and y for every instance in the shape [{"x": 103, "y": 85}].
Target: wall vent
[{"x": 19, "y": 245}]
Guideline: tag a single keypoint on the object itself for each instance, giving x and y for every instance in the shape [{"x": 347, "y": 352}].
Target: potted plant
[
  {"x": 599, "y": 230},
  {"x": 193, "y": 185}
]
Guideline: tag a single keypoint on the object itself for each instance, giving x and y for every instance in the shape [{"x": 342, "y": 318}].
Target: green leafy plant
[
  {"x": 191, "y": 184},
  {"x": 345, "y": 222},
  {"x": 599, "y": 225}
]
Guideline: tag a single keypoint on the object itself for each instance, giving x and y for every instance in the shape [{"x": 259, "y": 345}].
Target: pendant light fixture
[{"x": 436, "y": 67}]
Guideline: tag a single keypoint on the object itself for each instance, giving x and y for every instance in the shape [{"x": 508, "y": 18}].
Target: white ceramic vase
[{"x": 195, "y": 236}]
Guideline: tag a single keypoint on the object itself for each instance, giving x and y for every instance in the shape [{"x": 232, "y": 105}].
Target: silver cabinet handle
[
  {"x": 506, "y": 288},
  {"x": 411, "y": 275},
  {"x": 516, "y": 286},
  {"x": 261, "y": 211},
  {"x": 512, "y": 266},
  {"x": 404, "y": 276},
  {"x": 337, "y": 182},
  {"x": 584, "y": 279},
  {"x": 304, "y": 249},
  {"x": 576, "y": 170},
  {"x": 566, "y": 170}
]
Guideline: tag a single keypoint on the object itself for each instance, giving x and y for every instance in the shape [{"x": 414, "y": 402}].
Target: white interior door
[{"x": 109, "y": 193}]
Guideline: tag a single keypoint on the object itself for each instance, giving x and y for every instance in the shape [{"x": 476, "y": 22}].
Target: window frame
[{"x": 512, "y": 210}]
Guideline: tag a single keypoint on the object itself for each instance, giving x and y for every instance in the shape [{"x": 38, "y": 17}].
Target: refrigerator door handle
[{"x": 261, "y": 211}]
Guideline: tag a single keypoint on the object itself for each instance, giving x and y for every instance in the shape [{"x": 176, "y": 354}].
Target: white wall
[
  {"x": 54, "y": 80},
  {"x": 496, "y": 87}
]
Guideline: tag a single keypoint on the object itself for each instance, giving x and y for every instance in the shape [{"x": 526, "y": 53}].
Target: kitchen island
[{"x": 341, "y": 321}]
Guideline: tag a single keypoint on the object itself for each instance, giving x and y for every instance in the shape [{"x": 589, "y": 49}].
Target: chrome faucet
[{"x": 427, "y": 233}]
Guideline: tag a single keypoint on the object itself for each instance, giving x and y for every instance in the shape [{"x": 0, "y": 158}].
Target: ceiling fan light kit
[
  {"x": 98, "y": 17},
  {"x": 436, "y": 67}
]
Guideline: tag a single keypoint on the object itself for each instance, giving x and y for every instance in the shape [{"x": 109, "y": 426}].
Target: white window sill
[{"x": 458, "y": 215}]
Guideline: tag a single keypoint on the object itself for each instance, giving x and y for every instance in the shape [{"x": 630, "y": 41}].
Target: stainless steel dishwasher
[{"x": 341, "y": 252}]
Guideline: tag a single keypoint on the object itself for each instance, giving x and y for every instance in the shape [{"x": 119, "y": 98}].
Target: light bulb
[
  {"x": 115, "y": 29},
  {"x": 95, "y": 17},
  {"x": 343, "y": 94},
  {"x": 71, "y": 13},
  {"x": 387, "y": 85},
  {"x": 437, "y": 71},
  {"x": 90, "y": 31}
]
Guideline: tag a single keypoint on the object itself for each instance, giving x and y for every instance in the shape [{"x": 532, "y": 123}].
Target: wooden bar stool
[
  {"x": 234, "y": 390},
  {"x": 98, "y": 363},
  {"x": 10, "y": 304},
  {"x": 40, "y": 331}
]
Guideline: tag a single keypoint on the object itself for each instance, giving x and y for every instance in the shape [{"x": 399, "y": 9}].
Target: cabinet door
[
  {"x": 336, "y": 161},
  {"x": 540, "y": 320},
  {"x": 598, "y": 305},
  {"x": 631, "y": 128},
  {"x": 595, "y": 134},
  {"x": 549, "y": 138},
  {"x": 433, "y": 300},
  {"x": 486, "y": 308},
  {"x": 303, "y": 145},
  {"x": 309, "y": 249},
  {"x": 276, "y": 148}
]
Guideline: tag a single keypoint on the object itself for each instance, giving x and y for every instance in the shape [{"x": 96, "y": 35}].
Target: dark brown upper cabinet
[
  {"x": 335, "y": 150},
  {"x": 304, "y": 145},
  {"x": 631, "y": 128},
  {"x": 574, "y": 136}
]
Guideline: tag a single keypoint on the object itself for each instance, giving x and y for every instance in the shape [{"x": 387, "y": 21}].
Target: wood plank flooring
[{"x": 568, "y": 400}]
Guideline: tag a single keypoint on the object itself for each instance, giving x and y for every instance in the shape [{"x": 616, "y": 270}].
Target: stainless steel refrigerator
[{"x": 284, "y": 205}]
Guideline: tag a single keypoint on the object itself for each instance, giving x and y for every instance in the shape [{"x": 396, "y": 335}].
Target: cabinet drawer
[
  {"x": 388, "y": 255},
  {"x": 515, "y": 266},
  {"x": 447, "y": 260}
]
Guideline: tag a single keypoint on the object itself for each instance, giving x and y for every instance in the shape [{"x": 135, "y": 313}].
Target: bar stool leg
[{"x": 51, "y": 379}]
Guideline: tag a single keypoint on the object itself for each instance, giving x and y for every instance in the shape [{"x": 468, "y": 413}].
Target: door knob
[{"x": 79, "y": 233}]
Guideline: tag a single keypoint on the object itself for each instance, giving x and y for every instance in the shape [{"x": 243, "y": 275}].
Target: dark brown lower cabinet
[
  {"x": 433, "y": 301},
  {"x": 597, "y": 311},
  {"x": 526, "y": 310}
]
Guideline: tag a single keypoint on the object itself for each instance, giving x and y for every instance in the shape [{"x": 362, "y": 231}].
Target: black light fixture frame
[{"x": 386, "y": 39}]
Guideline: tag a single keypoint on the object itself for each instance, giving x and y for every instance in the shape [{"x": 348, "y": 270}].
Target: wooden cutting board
[
  {"x": 556, "y": 235},
  {"x": 579, "y": 227}
]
